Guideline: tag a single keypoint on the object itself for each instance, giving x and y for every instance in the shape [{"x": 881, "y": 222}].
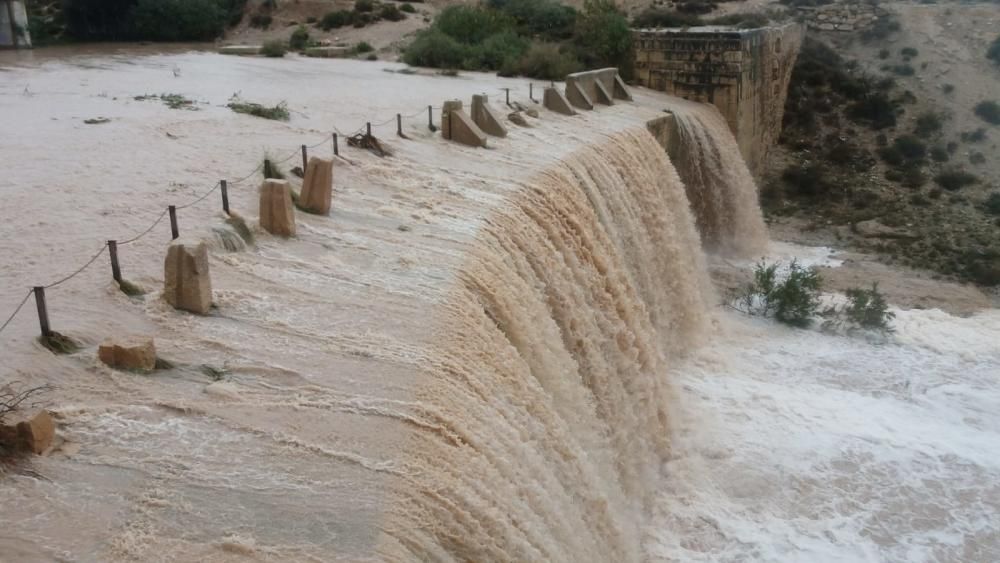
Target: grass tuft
[
  {"x": 59, "y": 343},
  {"x": 277, "y": 113}
]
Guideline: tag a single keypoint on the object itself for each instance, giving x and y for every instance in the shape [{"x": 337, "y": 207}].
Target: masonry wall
[
  {"x": 744, "y": 73},
  {"x": 13, "y": 25}
]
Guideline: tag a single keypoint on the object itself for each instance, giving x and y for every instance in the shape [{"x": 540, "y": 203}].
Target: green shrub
[
  {"x": 884, "y": 54},
  {"x": 909, "y": 52},
  {"x": 178, "y": 20},
  {"x": 993, "y": 53},
  {"x": 939, "y": 154},
  {"x": 390, "y": 12},
  {"x": 496, "y": 51},
  {"x": 363, "y": 47},
  {"x": 947, "y": 88},
  {"x": 910, "y": 147},
  {"x": 435, "y": 48},
  {"x": 977, "y": 158},
  {"x": 903, "y": 70},
  {"x": 263, "y": 21},
  {"x": 274, "y": 49},
  {"x": 337, "y": 19},
  {"x": 408, "y": 8},
  {"x": 954, "y": 179},
  {"x": 977, "y": 136},
  {"x": 865, "y": 309},
  {"x": 544, "y": 61},
  {"x": 988, "y": 111},
  {"x": 928, "y": 123},
  {"x": 992, "y": 204},
  {"x": 362, "y": 6},
  {"x": 603, "y": 36},
  {"x": 793, "y": 300},
  {"x": 299, "y": 39},
  {"x": 548, "y": 20},
  {"x": 807, "y": 179},
  {"x": 471, "y": 24}
]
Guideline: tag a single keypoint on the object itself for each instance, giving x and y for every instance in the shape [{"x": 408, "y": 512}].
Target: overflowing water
[{"x": 509, "y": 354}]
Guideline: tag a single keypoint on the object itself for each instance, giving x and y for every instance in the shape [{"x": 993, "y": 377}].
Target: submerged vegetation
[
  {"x": 278, "y": 112},
  {"x": 792, "y": 296}
]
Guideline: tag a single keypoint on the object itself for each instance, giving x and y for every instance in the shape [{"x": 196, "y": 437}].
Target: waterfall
[
  {"x": 719, "y": 185},
  {"x": 546, "y": 409}
]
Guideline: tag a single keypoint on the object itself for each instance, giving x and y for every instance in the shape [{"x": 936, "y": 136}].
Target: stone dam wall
[{"x": 744, "y": 73}]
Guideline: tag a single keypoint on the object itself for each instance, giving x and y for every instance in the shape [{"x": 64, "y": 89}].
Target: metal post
[
  {"x": 267, "y": 168},
  {"x": 399, "y": 124},
  {"x": 43, "y": 312},
  {"x": 116, "y": 270},
  {"x": 531, "y": 91},
  {"x": 174, "y": 232},
  {"x": 430, "y": 117},
  {"x": 507, "y": 90},
  {"x": 368, "y": 126},
  {"x": 225, "y": 195},
  {"x": 305, "y": 158},
  {"x": 336, "y": 149}
]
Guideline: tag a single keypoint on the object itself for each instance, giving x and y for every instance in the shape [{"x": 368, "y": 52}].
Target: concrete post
[
  {"x": 484, "y": 116},
  {"x": 277, "y": 214},
  {"x": 187, "y": 284},
  {"x": 317, "y": 186}
]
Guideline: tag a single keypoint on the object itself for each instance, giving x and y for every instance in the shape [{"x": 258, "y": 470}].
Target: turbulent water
[
  {"x": 719, "y": 186},
  {"x": 551, "y": 409},
  {"x": 502, "y": 354}
]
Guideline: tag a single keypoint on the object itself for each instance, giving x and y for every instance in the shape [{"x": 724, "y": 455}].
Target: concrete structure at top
[
  {"x": 745, "y": 73},
  {"x": 14, "y": 25},
  {"x": 487, "y": 119},
  {"x": 456, "y": 125},
  {"x": 554, "y": 100},
  {"x": 603, "y": 86}
]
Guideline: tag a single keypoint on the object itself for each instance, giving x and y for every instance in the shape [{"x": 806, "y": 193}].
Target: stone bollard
[
  {"x": 487, "y": 119},
  {"x": 317, "y": 186},
  {"x": 277, "y": 215},
  {"x": 187, "y": 284},
  {"x": 130, "y": 352},
  {"x": 555, "y": 101},
  {"x": 457, "y": 126},
  {"x": 34, "y": 433}
]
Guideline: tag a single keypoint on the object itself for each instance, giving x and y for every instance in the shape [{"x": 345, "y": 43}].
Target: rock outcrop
[
  {"x": 277, "y": 213},
  {"x": 317, "y": 187},
  {"x": 28, "y": 432},
  {"x": 129, "y": 352},
  {"x": 187, "y": 284}
]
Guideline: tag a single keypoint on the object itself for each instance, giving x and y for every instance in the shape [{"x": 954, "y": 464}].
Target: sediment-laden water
[{"x": 501, "y": 354}]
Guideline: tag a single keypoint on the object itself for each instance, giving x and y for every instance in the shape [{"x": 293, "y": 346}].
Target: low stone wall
[
  {"x": 14, "y": 25},
  {"x": 846, "y": 16},
  {"x": 744, "y": 73}
]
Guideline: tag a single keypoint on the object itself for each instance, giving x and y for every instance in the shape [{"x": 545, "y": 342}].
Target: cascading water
[
  {"x": 550, "y": 417},
  {"x": 719, "y": 185}
]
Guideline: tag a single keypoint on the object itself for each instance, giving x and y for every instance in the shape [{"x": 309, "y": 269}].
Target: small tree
[
  {"x": 793, "y": 300},
  {"x": 866, "y": 309}
]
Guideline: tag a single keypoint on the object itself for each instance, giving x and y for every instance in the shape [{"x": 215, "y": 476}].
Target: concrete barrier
[
  {"x": 487, "y": 119},
  {"x": 553, "y": 100},
  {"x": 317, "y": 186},
  {"x": 277, "y": 214},
  {"x": 329, "y": 52},
  {"x": 456, "y": 125},
  {"x": 601, "y": 86},
  {"x": 578, "y": 97},
  {"x": 187, "y": 284}
]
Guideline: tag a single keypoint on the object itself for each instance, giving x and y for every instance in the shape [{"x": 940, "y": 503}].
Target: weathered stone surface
[
  {"x": 744, "y": 73},
  {"x": 277, "y": 213},
  {"x": 317, "y": 187},
  {"x": 28, "y": 432},
  {"x": 517, "y": 118},
  {"x": 128, "y": 352},
  {"x": 487, "y": 119},
  {"x": 187, "y": 284},
  {"x": 456, "y": 125},
  {"x": 530, "y": 112},
  {"x": 555, "y": 101}
]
